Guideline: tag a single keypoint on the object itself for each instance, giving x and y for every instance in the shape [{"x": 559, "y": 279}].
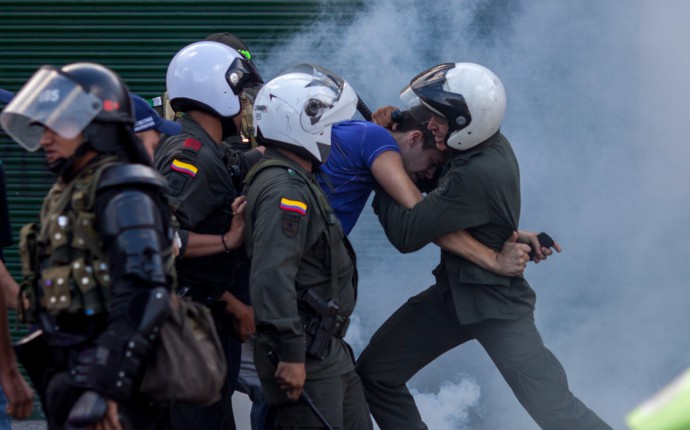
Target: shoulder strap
[
  {"x": 66, "y": 194},
  {"x": 84, "y": 202}
]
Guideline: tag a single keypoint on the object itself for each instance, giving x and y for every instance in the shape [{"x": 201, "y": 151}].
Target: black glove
[{"x": 115, "y": 366}]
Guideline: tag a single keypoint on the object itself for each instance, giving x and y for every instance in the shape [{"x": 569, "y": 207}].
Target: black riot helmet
[
  {"x": 78, "y": 98},
  {"x": 108, "y": 87}
]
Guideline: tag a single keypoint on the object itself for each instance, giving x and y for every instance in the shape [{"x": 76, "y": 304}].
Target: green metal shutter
[{"x": 137, "y": 39}]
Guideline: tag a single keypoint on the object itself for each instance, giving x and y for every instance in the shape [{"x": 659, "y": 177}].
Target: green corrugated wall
[{"x": 137, "y": 39}]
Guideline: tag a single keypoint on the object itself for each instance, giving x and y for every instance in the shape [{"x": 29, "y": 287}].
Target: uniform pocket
[
  {"x": 85, "y": 235},
  {"x": 91, "y": 295},
  {"x": 55, "y": 286},
  {"x": 57, "y": 230}
]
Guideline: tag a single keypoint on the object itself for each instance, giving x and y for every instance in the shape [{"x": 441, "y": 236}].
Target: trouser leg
[
  {"x": 356, "y": 415},
  {"x": 339, "y": 399},
  {"x": 5, "y": 420},
  {"x": 534, "y": 374},
  {"x": 419, "y": 331},
  {"x": 248, "y": 383}
]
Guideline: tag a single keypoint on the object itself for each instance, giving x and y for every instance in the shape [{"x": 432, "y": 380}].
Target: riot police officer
[
  {"x": 302, "y": 277},
  {"x": 99, "y": 267}
]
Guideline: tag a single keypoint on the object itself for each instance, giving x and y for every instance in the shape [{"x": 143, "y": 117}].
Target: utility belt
[{"x": 321, "y": 323}]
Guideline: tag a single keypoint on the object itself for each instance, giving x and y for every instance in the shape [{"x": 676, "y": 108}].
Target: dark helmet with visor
[{"x": 66, "y": 100}]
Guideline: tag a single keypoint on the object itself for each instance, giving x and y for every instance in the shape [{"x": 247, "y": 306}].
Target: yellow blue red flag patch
[
  {"x": 182, "y": 167},
  {"x": 293, "y": 206}
]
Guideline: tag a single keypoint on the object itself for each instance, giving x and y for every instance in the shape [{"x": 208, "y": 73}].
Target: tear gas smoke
[{"x": 597, "y": 97}]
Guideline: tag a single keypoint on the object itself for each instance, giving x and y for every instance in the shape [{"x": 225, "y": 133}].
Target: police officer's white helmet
[
  {"x": 296, "y": 109},
  {"x": 209, "y": 76},
  {"x": 469, "y": 96}
]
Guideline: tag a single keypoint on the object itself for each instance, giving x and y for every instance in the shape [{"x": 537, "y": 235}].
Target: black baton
[
  {"x": 304, "y": 397},
  {"x": 363, "y": 109}
]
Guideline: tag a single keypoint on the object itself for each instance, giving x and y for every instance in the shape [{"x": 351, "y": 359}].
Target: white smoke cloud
[
  {"x": 450, "y": 408},
  {"x": 598, "y": 96}
]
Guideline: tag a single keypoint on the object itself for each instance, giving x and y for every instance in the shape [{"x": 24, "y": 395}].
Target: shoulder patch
[
  {"x": 290, "y": 225},
  {"x": 295, "y": 206},
  {"x": 192, "y": 144},
  {"x": 442, "y": 186},
  {"x": 182, "y": 167}
]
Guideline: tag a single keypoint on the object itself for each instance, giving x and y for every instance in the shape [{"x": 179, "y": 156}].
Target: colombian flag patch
[
  {"x": 182, "y": 167},
  {"x": 293, "y": 206}
]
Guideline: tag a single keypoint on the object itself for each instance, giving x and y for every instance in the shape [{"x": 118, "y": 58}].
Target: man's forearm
[
  {"x": 9, "y": 288},
  {"x": 7, "y": 358},
  {"x": 466, "y": 246},
  {"x": 202, "y": 245}
]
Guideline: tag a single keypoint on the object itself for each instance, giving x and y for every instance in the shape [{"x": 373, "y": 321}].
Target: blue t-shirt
[{"x": 354, "y": 147}]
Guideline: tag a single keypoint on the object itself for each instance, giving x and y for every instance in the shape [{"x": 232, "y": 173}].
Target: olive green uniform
[
  {"x": 295, "y": 246},
  {"x": 480, "y": 193},
  {"x": 204, "y": 178}
]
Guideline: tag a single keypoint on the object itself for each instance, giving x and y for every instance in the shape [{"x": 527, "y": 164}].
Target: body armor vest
[{"x": 65, "y": 268}]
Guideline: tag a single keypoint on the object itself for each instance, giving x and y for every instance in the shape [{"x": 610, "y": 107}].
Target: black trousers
[{"x": 427, "y": 326}]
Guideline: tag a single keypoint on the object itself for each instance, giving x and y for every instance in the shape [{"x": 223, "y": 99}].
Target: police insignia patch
[
  {"x": 442, "y": 186},
  {"x": 290, "y": 224}
]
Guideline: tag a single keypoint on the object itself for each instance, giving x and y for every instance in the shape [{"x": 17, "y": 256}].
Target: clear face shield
[
  {"x": 416, "y": 107},
  {"x": 49, "y": 99}
]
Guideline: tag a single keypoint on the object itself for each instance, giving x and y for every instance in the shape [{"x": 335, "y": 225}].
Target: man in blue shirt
[{"x": 364, "y": 155}]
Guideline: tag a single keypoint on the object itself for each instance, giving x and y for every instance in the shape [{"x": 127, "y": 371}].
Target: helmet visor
[
  {"x": 416, "y": 107},
  {"x": 49, "y": 99},
  {"x": 432, "y": 89},
  {"x": 242, "y": 75}
]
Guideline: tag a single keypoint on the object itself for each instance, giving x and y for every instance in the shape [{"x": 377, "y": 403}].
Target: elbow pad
[{"x": 135, "y": 233}]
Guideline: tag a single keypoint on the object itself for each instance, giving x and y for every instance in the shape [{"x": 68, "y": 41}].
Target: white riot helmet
[
  {"x": 296, "y": 109},
  {"x": 469, "y": 96},
  {"x": 209, "y": 76}
]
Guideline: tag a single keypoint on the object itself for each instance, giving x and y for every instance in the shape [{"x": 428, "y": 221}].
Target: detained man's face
[
  {"x": 57, "y": 147},
  {"x": 419, "y": 162},
  {"x": 438, "y": 126}
]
